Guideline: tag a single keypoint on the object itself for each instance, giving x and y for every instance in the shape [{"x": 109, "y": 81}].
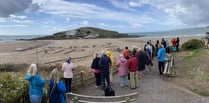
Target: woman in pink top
[
  {"x": 67, "y": 68},
  {"x": 123, "y": 71}
]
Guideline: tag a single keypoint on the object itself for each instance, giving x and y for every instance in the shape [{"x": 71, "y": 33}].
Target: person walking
[
  {"x": 148, "y": 59},
  {"x": 167, "y": 47},
  {"x": 132, "y": 65},
  {"x": 177, "y": 43},
  {"x": 109, "y": 54},
  {"x": 150, "y": 48},
  {"x": 67, "y": 68},
  {"x": 122, "y": 71},
  {"x": 104, "y": 65},
  {"x": 157, "y": 46},
  {"x": 161, "y": 59},
  {"x": 57, "y": 89},
  {"x": 36, "y": 84},
  {"x": 95, "y": 69},
  {"x": 153, "y": 48}
]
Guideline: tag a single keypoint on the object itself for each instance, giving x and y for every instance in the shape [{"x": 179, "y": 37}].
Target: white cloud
[
  {"x": 190, "y": 12},
  {"x": 135, "y": 24},
  {"x": 122, "y": 4},
  {"x": 134, "y": 4},
  {"x": 3, "y": 19},
  {"x": 49, "y": 21},
  {"x": 17, "y": 17},
  {"x": 85, "y": 23},
  {"x": 17, "y": 25},
  {"x": 22, "y": 21},
  {"x": 88, "y": 11},
  {"x": 67, "y": 19},
  {"x": 33, "y": 7},
  {"x": 8, "y": 7}
]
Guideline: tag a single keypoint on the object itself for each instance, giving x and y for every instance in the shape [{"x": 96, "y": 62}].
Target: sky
[{"x": 45, "y": 17}]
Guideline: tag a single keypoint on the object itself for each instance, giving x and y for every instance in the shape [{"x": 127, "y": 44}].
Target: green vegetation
[
  {"x": 193, "y": 70},
  {"x": 12, "y": 67},
  {"x": 86, "y": 32},
  {"x": 13, "y": 86},
  {"x": 192, "y": 44}
]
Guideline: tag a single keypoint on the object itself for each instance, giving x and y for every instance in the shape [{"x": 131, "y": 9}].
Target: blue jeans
[{"x": 35, "y": 99}]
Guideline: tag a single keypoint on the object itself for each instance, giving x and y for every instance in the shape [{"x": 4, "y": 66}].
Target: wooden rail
[
  {"x": 83, "y": 78},
  {"x": 77, "y": 98}
]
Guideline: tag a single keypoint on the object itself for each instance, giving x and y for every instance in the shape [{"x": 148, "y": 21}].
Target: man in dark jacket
[
  {"x": 104, "y": 64},
  {"x": 141, "y": 57}
]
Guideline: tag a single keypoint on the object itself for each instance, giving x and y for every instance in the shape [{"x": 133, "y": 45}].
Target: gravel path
[{"x": 152, "y": 89}]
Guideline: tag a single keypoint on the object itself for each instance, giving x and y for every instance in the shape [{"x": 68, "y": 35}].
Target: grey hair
[
  {"x": 32, "y": 70},
  {"x": 103, "y": 52},
  {"x": 54, "y": 75}
]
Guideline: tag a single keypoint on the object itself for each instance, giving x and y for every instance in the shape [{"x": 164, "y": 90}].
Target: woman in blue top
[
  {"x": 36, "y": 84},
  {"x": 161, "y": 59},
  {"x": 57, "y": 88}
]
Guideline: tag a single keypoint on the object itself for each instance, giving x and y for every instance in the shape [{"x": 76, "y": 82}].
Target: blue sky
[{"x": 45, "y": 17}]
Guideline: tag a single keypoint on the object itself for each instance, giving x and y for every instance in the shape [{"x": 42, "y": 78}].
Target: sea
[
  {"x": 191, "y": 32},
  {"x": 162, "y": 34},
  {"x": 13, "y": 38}
]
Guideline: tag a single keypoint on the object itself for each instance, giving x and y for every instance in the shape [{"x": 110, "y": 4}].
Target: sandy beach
[{"x": 54, "y": 52}]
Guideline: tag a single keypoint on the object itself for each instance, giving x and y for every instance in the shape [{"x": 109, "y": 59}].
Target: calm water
[
  {"x": 11, "y": 38},
  {"x": 174, "y": 33}
]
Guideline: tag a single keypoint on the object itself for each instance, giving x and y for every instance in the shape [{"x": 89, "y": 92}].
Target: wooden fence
[{"x": 83, "y": 78}]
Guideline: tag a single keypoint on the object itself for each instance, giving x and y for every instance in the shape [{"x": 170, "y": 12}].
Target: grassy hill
[{"x": 87, "y": 32}]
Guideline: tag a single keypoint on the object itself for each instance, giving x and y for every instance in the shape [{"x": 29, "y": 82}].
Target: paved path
[{"x": 152, "y": 89}]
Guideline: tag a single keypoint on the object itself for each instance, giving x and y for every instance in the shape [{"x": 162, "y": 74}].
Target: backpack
[
  {"x": 109, "y": 91},
  {"x": 54, "y": 95}
]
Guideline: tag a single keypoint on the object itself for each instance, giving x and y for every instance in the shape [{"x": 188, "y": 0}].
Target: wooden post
[{"x": 83, "y": 78}]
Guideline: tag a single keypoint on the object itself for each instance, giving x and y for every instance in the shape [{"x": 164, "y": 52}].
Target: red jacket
[
  {"x": 125, "y": 53},
  {"x": 132, "y": 64}
]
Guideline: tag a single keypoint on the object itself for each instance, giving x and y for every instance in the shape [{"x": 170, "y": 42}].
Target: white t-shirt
[{"x": 67, "y": 69}]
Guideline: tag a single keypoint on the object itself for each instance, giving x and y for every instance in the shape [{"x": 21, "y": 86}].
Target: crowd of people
[{"x": 130, "y": 64}]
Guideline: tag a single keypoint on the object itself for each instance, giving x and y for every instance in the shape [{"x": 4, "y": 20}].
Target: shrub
[
  {"x": 13, "y": 88},
  {"x": 12, "y": 67},
  {"x": 192, "y": 44}
]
